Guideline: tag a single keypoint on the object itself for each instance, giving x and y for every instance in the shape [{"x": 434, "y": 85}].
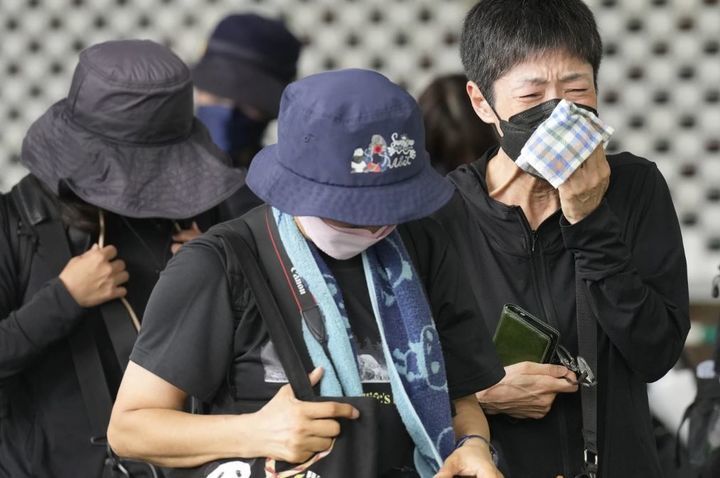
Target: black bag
[{"x": 354, "y": 453}]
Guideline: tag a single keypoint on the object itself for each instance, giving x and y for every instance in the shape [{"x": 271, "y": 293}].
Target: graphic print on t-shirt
[{"x": 371, "y": 359}]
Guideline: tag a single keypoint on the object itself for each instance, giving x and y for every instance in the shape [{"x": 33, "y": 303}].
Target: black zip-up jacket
[{"x": 630, "y": 252}]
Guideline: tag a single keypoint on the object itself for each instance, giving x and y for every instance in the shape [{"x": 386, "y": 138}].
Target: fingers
[
  {"x": 317, "y": 444},
  {"x": 186, "y": 235},
  {"x": 447, "y": 471},
  {"x": 315, "y": 410},
  {"x": 117, "y": 266},
  {"x": 556, "y": 385},
  {"x": 324, "y": 428},
  {"x": 117, "y": 293},
  {"x": 109, "y": 252},
  {"x": 315, "y": 376},
  {"x": 534, "y": 368},
  {"x": 120, "y": 278}
]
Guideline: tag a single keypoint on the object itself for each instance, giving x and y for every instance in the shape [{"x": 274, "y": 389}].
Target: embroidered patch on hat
[{"x": 379, "y": 157}]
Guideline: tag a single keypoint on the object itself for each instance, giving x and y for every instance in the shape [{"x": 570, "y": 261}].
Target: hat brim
[
  {"x": 242, "y": 82},
  {"x": 413, "y": 198},
  {"x": 171, "y": 180}
]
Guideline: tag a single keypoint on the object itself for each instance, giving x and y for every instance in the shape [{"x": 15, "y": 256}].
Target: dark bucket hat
[
  {"x": 125, "y": 139},
  {"x": 351, "y": 147},
  {"x": 249, "y": 59}
]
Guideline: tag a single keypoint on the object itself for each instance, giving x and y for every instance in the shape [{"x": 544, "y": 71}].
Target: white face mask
[{"x": 340, "y": 242}]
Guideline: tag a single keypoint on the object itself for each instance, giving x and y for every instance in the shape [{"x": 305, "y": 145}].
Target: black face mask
[{"x": 518, "y": 128}]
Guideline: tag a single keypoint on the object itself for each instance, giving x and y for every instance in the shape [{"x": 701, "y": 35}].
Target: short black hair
[{"x": 500, "y": 34}]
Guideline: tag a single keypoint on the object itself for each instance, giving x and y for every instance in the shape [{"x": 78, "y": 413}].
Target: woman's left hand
[
  {"x": 471, "y": 459},
  {"x": 183, "y": 236}
]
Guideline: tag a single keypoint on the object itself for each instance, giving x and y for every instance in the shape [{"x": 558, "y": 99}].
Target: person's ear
[{"x": 480, "y": 104}]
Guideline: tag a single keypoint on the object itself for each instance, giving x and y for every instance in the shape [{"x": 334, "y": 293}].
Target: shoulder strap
[
  {"x": 240, "y": 261},
  {"x": 53, "y": 249},
  {"x": 278, "y": 271},
  {"x": 588, "y": 365}
]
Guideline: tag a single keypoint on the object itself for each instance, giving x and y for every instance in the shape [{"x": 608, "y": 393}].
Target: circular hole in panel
[
  {"x": 55, "y": 23},
  {"x": 376, "y": 16},
  {"x": 610, "y": 97},
  {"x": 661, "y": 97},
  {"x": 635, "y": 73},
  {"x": 713, "y": 195},
  {"x": 329, "y": 63},
  {"x": 189, "y": 20},
  {"x": 636, "y": 122},
  {"x": 450, "y": 38},
  {"x": 144, "y": 21},
  {"x": 425, "y": 62},
  {"x": 34, "y": 46},
  {"x": 661, "y": 145},
  {"x": 660, "y": 49},
  {"x": 610, "y": 49},
  {"x": 12, "y": 69},
  {"x": 686, "y": 72},
  {"x": 713, "y": 243},
  {"x": 688, "y": 170},
  {"x": 100, "y": 22},
  {"x": 685, "y": 24},
  {"x": 56, "y": 68},
  {"x": 687, "y": 121},
  {"x": 689, "y": 219},
  {"x": 712, "y": 96},
  {"x": 634, "y": 25}
]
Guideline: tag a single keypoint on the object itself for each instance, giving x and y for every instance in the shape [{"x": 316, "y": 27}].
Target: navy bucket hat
[
  {"x": 351, "y": 147},
  {"x": 249, "y": 59}
]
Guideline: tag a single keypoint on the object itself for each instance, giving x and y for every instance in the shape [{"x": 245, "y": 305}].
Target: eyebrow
[{"x": 538, "y": 81}]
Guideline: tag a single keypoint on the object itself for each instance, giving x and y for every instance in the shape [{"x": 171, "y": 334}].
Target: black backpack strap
[
  {"x": 120, "y": 329},
  {"x": 587, "y": 363},
  {"x": 240, "y": 261}
]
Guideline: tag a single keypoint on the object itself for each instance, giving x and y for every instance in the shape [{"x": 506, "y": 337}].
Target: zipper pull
[{"x": 533, "y": 241}]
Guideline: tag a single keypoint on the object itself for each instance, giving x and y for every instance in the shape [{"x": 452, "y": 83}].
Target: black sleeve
[
  {"x": 638, "y": 287},
  {"x": 471, "y": 362},
  {"x": 187, "y": 332},
  {"x": 27, "y": 329}
]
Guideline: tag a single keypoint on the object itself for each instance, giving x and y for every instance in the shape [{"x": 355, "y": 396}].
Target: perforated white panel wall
[{"x": 660, "y": 81}]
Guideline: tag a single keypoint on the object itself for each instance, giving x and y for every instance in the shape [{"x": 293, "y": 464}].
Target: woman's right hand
[
  {"x": 95, "y": 277},
  {"x": 293, "y": 431}
]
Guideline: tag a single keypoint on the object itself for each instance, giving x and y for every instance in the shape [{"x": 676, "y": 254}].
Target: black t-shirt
[{"x": 191, "y": 338}]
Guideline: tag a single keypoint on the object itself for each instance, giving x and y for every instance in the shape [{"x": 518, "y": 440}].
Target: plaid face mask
[{"x": 519, "y": 127}]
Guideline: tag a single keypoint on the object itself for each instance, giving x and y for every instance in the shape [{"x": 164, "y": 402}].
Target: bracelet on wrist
[{"x": 463, "y": 439}]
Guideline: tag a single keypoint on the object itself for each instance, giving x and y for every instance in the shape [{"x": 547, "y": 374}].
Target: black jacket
[
  {"x": 44, "y": 424},
  {"x": 630, "y": 251}
]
